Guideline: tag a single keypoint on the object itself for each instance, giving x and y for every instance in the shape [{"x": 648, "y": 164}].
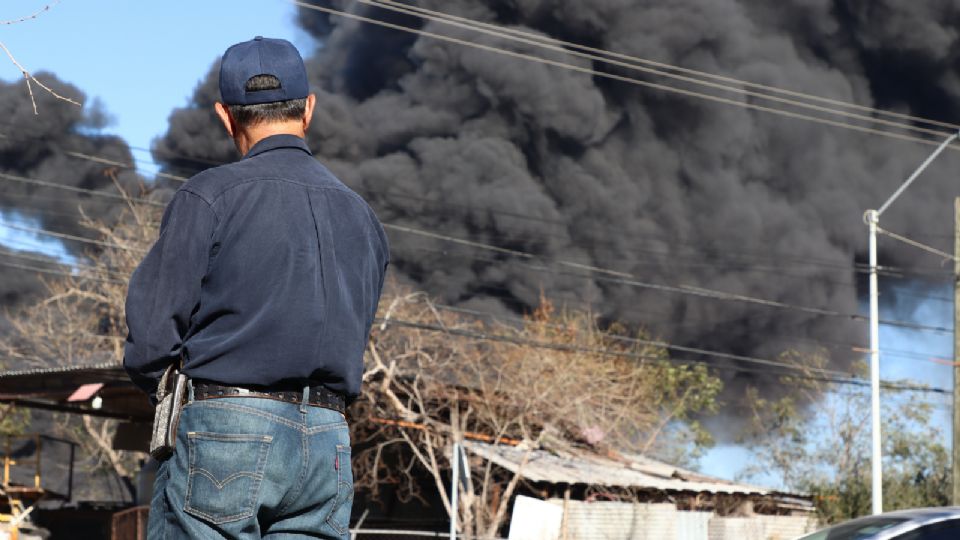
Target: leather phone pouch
[{"x": 171, "y": 394}]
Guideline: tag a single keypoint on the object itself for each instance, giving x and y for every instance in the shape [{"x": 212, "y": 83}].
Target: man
[{"x": 264, "y": 283}]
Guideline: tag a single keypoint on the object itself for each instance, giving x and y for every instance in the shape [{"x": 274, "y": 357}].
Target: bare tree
[
  {"x": 554, "y": 381},
  {"x": 81, "y": 318},
  {"x": 27, "y": 76}
]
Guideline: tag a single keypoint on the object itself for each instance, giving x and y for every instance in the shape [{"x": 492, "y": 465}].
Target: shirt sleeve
[{"x": 164, "y": 291}]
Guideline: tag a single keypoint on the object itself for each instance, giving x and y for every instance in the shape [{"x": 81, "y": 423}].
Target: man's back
[
  {"x": 292, "y": 274},
  {"x": 297, "y": 261}
]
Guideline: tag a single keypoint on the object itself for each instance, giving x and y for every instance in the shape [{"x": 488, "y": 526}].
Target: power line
[
  {"x": 829, "y": 375},
  {"x": 669, "y": 346},
  {"x": 502, "y": 293},
  {"x": 85, "y": 191},
  {"x": 647, "y": 324},
  {"x": 806, "y": 261},
  {"x": 483, "y": 336},
  {"x": 120, "y": 164},
  {"x": 74, "y": 238},
  {"x": 31, "y": 205},
  {"x": 918, "y": 245},
  {"x": 34, "y": 258},
  {"x": 550, "y": 40},
  {"x": 624, "y": 278},
  {"x": 611, "y": 276},
  {"x": 621, "y": 78},
  {"x": 846, "y": 347},
  {"x": 57, "y": 272},
  {"x": 716, "y": 354},
  {"x": 657, "y": 343},
  {"x": 154, "y": 203},
  {"x": 799, "y": 261},
  {"x": 618, "y": 277},
  {"x": 635, "y": 63},
  {"x": 674, "y": 259},
  {"x": 48, "y": 260},
  {"x": 654, "y": 343},
  {"x": 682, "y": 348},
  {"x": 35, "y": 268}
]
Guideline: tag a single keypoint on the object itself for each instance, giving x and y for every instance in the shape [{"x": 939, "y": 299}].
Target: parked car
[{"x": 916, "y": 524}]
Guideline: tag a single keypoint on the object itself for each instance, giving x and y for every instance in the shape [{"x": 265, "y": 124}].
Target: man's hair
[{"x": 276, "y": 111}]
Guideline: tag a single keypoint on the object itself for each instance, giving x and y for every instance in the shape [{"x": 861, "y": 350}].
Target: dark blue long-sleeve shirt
[{"x": 267, "y": 273}]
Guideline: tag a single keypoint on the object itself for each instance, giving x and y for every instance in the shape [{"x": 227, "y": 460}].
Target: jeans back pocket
[{"x": 225, "y": 474}]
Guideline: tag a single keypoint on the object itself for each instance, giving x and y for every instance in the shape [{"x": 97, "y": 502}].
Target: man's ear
[
  {"x": 308, "y": 111},
  {"x": 225, "y": 117}
]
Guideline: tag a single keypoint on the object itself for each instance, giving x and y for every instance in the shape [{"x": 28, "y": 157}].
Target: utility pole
[
  {"x": 872, "y": 219},
  {"x": 956, "y": 352},
  {"x": 876, "y": 448}
]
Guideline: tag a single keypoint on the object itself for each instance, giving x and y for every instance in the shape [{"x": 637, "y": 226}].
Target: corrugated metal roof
[
  {"x": 593, "y": 469},
  {"x": 49, "y": 388},
  {"x": 60, "y": 369}
]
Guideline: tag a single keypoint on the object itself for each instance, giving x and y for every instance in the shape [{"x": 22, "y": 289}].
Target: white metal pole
[
  {"x": 872, "y": 216},
  {"x": 454, "y": 491}
]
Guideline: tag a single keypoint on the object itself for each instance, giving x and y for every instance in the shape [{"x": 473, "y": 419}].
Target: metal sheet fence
[
  {"x": 608, "y": 520},
  {"x": 760, "y": 528},
  {"x": 400, "y": 534}
]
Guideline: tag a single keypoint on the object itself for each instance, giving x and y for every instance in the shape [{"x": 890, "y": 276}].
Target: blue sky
[
  {"x": 17, "y": 239},
  {"x": 905, "y": 354},
  {"x": 140, "y": 59},
  {"x": 143, "y": 59}
]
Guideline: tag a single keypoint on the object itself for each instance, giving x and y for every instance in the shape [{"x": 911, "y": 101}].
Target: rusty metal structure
[{"x": 130, "y": 524}]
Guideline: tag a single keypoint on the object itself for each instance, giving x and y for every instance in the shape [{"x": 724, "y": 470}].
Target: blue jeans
[{"x": 249, "y": 468}]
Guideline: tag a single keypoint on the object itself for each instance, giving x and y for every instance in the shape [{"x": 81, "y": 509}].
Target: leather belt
[{"x": 320, "y": 396}]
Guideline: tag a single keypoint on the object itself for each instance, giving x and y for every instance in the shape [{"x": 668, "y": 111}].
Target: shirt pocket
[{"x": 225, "y": 474}]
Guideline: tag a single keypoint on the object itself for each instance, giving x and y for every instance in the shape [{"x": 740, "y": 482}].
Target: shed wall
[
  {"x": 760, "y": 528},
  {"x": 605, "y": 520}
]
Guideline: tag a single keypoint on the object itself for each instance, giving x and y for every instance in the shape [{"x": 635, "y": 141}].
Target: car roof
[
  {"x": 917, "y": 513},
  {"x": 913, "y": 519},
  {"x": 916, "y": 518},
  {"x": 925, "y": 514}
]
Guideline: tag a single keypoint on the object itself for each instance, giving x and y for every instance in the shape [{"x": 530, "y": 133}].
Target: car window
[
  {"x": 858, "y": 529},
  {"x": 944, "y": 530}
]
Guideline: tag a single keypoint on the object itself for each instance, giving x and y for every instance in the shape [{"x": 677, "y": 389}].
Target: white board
[{"x": 534, "y": 519}]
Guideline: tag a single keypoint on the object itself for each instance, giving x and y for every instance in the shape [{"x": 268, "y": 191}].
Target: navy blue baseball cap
[{"x": 262, "y": 56}]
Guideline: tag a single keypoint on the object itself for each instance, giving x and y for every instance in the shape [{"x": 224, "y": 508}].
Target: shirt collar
[{"x": 274, "y": 142}]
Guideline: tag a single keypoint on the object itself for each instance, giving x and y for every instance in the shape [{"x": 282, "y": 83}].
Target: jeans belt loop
[{"x": 306, "y": 399}]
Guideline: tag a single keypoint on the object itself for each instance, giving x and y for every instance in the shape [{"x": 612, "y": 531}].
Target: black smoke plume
[
  {"x": 668, "y": 188},
  {"x": 44, "y": 147}
]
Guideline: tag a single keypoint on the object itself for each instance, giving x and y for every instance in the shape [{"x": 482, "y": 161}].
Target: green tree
[{"x": 817, "y": 441}]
